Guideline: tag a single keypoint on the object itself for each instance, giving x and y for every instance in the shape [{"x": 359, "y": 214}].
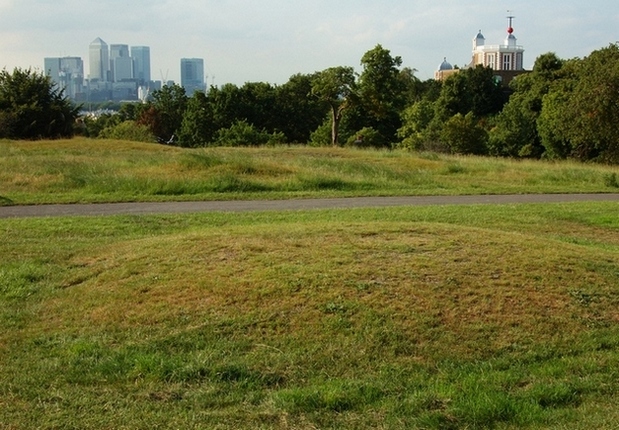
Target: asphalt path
[{"x": 149, "y": 208}]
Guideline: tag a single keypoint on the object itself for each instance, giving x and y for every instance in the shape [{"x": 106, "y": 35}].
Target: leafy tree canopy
[
  {"x": 33, "y": 107},
  {"x": 335, "y": 87}
]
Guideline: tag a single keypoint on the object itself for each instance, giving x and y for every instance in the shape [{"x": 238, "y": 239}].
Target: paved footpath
[{"x": 100, "y": 209}]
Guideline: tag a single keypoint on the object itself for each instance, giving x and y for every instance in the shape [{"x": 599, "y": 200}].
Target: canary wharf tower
[{"x": 99, "y": 60}]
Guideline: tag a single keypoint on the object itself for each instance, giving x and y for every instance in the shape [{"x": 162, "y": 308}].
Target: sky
[{"x": 271, "y": 40}]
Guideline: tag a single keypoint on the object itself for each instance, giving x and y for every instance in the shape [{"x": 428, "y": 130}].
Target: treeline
[
  {"x": 300, "y": 111},
  {"x": 561, "y": 109}
]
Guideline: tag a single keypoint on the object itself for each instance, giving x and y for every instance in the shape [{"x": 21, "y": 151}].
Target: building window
[
  {"x": 507, "y": 62},
  {"x": 491, "y": 61},
  {"x": 519, "y": 61}
]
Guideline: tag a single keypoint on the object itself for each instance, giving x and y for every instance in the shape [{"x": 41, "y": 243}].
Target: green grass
[
  {"x": 432, "y": 318},
  {"x": 83, "y": 170}
]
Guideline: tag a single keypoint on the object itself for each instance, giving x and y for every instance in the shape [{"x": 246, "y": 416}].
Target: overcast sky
[{"x": 270, "y": 40}]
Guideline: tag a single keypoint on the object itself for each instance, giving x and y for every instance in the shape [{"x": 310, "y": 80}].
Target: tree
[
  {"x": 593, "y": 109},
  {"x": 553, "y": 123},
  {"x": 413, "y": 89},
  {"x": 470, "y": 90},
  {"x": 581, "y": 109},
  {"x": 464, "y": 135},
  {"x": 336, "y": 88},
  {"x": 516, "y": 132},
  {"x": 415, "y": 121},
  {"x": 164, "y": 114},
  {"x": 381, "y": 84},
  {"x": 198, "y": 126},
  {"x": 226, "y": 104},
  {"x": 383, "y": 92},
  {"x": 33, "y": 107},
  {"x": 454, "y": 98},
  {"x": 298, "y": 113}
]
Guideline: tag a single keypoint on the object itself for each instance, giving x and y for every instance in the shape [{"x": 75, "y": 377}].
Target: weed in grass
[
  {"x": 77, "y": 174},
  {"x": 485, "y": 408},
  {"x": 584, "y": 298},
  {"x": 555, "y": 395},
  {"x": 455, "y": 168},
  {"x": 433, "y": 156},
  {"x": 21, "y": 280},
  {"x": 230, "y": 183},
  {"x": 569, "y": 174},
  {"x": 335, "y": 308},
  {"x": 200, "y": 160},
  {"x": 318, "y": 183},
  {"x": 610, "y": 180},
  {"x": 330, "y": 396}
]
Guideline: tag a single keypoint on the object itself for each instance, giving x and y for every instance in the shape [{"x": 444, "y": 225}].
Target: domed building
[
  {"x": 505, "y": 59},
  {"x": 507, "y": 56},
  {"x": 444, "y": 70}
]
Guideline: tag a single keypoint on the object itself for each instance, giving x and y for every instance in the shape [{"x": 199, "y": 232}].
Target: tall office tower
[
  {"x": 67, "y": 72},
  {"x": 121, "y": 64},
  {"x": 192, "y": 75},
  {"x": 141, "y": 64},
  {"x": 51, "y": 66},
  {"x": 99, "y": 60}
]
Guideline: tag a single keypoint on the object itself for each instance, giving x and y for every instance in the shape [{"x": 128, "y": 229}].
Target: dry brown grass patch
[{"x": 451, "y": 288}]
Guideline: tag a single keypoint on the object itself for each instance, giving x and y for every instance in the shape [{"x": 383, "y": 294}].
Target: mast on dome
[{"x": 510, "y": 21}]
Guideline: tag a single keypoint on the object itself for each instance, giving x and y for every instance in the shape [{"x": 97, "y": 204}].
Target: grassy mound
[
  {"x": 435, "y": 317},
  {"x": 82, "y": 170}
]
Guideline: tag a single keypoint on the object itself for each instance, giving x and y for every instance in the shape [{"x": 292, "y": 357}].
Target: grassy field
[
  {"x": 83, "y": 170},
  {"x": 451, "y": 317},
  {"x": 454, "y": 317}
]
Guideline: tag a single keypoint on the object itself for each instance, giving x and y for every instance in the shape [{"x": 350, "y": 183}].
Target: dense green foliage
[
  {"x": 32, "y": 107},
  {"x": 561, "y": 109},
  {"x": 336, "y": 88}
]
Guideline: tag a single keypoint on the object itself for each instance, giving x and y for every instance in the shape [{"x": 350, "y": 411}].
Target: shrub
[
  {"x": 367, "y": 137},
  {"x": 321, "y": 136},
  {"x": 128, "y": 130},
  {"x": 464, "y": 135},
  {"x": 610, "y": 180},
  {"x": 242, "y": 133}
]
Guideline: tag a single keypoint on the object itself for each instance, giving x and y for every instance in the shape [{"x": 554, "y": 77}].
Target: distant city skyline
[
  {"x": 271, "y": 40},
  {"x": 117, "y": 72}
]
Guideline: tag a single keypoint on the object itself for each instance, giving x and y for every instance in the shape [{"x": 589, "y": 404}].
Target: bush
[
  {"x": 424, "y": 142},
  {"x": 321, "y": 136},
  {"x": 128, "y": 130},
  {"x": 464, "y": 135},
  {"x": 610, "y": 180},
  {"x": 367, "y": 137},
  {"x": 241, "y": 133}
]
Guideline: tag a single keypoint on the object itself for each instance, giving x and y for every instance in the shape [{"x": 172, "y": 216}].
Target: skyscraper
[
  {"x": 51, "y": 66},
  {"x": 141, "y": 64},
  {"x": 67, "y": 72},
  {"x": 121, "y": 65},
  {"x": 99, "y": 60},
  {"x": 192, "y": 75}
]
